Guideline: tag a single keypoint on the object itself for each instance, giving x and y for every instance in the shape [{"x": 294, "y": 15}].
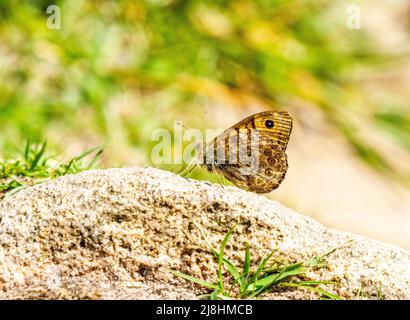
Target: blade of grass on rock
[
  {"x": 311, "y": 288},
  {"x": 258, "y": 271},
  {"x": 268, "y": 281},
  {"x": 38, "y": 155},
  {"x": 220, "y": 258},
  {"x": 229, "y": 266},
  {"x": 195, "y": 280}
]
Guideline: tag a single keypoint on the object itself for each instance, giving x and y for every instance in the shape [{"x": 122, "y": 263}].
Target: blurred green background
[{"x": 117, "y": 70}]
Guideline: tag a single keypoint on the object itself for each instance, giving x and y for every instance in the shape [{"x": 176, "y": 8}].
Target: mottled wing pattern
[
  {"x": 270, "y": 171},
  {"x": 281, "y": 130},
  {"x": 271, "y": 145}
]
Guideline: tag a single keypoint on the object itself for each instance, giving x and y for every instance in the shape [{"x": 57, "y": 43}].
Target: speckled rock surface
[{"x": 113, "y": 234}]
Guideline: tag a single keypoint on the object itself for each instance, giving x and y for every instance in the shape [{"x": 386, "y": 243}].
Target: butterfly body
[{"x": 251, "y": 154}]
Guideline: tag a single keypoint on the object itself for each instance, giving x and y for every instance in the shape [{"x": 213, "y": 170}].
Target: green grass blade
[
  {"x": 291, "y": 270},
  {"x": 359, "y": 294},
  {"x": 245, "y": 271},
  {"x": 68, "y": 167},
  {"x": 74, "y": 164},
  {"x": 27, "y": 150},
  {"x": 229, "y": 266},
  {"x": 247, "y": 261},
  {"x": 95, "y": 158},
  {"x": 319, "y": 260},
  {"x": 193, "y": 279},
  {"x": 214, "y": 295},
  {"x": 87, "y": 152},
  {"x": 258, "y": 271},
  {"x": 223, "y": 297},
  {"x": 318, "y": 282},
  {"x": 316, "y": 262},
  {"x": 14, "y": 191},
  {"x": 268, "y": 281},
  {"x": 38, "y": 156},
  {"x": 379, "y": 292},
  {"x": 220, "y": 258},
  {"x": 324, "y": 293}
]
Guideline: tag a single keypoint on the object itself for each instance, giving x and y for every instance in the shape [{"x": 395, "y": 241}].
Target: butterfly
[{"x": 251, "y": 154}]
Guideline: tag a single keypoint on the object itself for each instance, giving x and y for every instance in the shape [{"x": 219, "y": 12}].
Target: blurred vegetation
[
  {"x": 116, "y": 70},
  {"x": 34, "y": 165}
]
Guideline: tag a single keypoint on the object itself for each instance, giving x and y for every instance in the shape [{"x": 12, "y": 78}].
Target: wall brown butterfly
[{"x": 260, "y": 166}]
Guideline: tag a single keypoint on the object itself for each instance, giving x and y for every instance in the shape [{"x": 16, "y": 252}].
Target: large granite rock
[{"x": 114, "y": 234}]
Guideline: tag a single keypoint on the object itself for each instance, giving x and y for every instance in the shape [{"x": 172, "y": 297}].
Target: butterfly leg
[
  {"x": 187, "y": 171},
  {"x": 218, "y": 177}
]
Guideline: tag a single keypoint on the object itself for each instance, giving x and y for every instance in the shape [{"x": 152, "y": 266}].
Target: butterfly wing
[
  {"x": 266, "y": 175},
  {"x": 280, "y": 130},
  {"x": 266, "y": 167}
]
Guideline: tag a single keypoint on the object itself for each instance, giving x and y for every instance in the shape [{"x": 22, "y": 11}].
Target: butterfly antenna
[
  {"x": 203, "y": 128},
  {"x": 193, "y": 167},
  {"x": 180, "y": 123}
]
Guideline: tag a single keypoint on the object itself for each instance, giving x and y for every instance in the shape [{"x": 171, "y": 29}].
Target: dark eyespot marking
[
  {"x": 272, "y": 161},
  {"x": 269, "y": 124},
  {"x": 268, "y": 152},
  {"x": 268, "y": 172}
]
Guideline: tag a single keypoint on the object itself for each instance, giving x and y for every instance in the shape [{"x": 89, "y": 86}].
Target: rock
[{"x": 114, "y": 234}]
